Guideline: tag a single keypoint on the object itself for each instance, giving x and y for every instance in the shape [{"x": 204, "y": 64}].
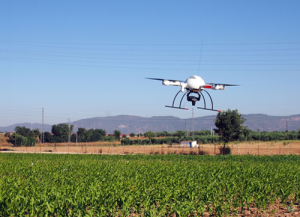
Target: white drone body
[{"x": 194, "y": 85}]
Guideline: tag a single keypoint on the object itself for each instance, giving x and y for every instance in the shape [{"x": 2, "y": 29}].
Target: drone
[{"x": 194, "y": 86}]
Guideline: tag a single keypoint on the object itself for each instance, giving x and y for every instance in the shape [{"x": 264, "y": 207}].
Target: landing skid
[
  {"x": 198, "y": 99},
  {"x": 179, "y": 107},
  {"x": 212, "y": 104},
  {"x": 176, "y": 107}
]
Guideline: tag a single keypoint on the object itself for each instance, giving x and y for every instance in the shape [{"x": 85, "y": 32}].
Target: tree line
[
  {"x": 23, "y": 136},
  {"x": 229, "y": 128}
]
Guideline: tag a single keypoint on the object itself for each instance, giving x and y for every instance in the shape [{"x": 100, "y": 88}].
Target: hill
[
  {"x": 11, "y": 128},
  {"x": 128, "y": 124}
]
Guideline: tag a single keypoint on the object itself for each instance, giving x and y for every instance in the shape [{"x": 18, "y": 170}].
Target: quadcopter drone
[{"x": 194, "y": 87}]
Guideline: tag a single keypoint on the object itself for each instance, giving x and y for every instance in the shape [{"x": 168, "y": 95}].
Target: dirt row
[{"x": 262, "y": 148}]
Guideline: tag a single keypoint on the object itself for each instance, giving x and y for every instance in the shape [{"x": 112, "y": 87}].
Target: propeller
[
  {"x": 161, "y": 79},
  {"x": 223, "y": 84}
]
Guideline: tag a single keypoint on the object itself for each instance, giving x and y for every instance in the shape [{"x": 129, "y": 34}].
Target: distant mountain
[
  {"x": 128, "y": 124},
  {"x": 135, "y": 124},
  {"x": 11, "y": 128}
]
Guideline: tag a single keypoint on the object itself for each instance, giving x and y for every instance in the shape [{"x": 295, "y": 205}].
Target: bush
[
  {"x": 30, "y": 141},
  {"x": 17, "y": 140}
]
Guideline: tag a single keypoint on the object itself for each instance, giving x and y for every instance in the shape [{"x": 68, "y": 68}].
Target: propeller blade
[
  {"x": 223, "y": 84},
  {"x": 161, "y": 79}
]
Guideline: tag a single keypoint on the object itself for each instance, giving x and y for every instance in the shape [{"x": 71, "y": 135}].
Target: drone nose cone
[{"x": 195, "y": 82}]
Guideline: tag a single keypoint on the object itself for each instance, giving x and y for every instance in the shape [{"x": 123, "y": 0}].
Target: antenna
[{"x": 200, "y": 57}]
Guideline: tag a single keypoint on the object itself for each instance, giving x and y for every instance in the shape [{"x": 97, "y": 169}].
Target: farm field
[
  {"x": 253, "y": 148},
  {"x": 148, "y": 185}
]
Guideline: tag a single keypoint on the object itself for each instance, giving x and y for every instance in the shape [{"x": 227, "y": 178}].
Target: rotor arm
[
  {"x": 218, "y": 86},
  {"x": 171, "y": 82},
  {"x": 174, "y": 83}
]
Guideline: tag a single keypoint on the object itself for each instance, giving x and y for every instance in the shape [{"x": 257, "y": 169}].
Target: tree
[
  {"x": 88, "y": 134},
  {"x": 17, "y": 140},
  {"x": 132, "y": 135},
  {"x": 30, "y": 141},
  {"x": 36, "y": 132},
  {"x": 101, "y": 132},
  {"x": 62, "y": 131},
  {"x": 97, "y": 135},
  {"x": 150, "y": 135},
  {"x": 180, "y": 133},
  {"x": 47, "y": 137},
  {"x": 229, "y": 125},
  {"x": 23, "y": 131},
  {"x": 117, "y": 134},
  {"x": 80, "y": 134}
]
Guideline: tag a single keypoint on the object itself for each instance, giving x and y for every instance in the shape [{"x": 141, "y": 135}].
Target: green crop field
[{"x": 138, "y": 185}]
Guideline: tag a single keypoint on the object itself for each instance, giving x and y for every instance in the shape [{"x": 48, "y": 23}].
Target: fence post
[
  {"x": 248, "y": 148},
  {"x": 279, "y": 150}
]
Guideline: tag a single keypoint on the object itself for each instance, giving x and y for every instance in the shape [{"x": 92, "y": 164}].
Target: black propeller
[
  {"x": 161, "y": 79},
  {"x": 223, "y": 84}
]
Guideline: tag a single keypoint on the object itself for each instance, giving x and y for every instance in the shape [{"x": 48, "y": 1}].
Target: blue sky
[{"x": 82, "y": 59}]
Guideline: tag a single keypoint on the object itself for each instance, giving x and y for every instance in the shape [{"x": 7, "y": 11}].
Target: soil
[{"x": 253, "y": 148}]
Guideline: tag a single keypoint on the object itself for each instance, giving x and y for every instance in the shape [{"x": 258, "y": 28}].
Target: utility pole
[
  {"x": 287, "y": 127},
  {"x": 76, "y": 138},
  {"x": 42, "y": 135},
  {"x": 185, "y": 129},
  {"x": 193, "y": 121},
  {"x": 69, "y": 132}
]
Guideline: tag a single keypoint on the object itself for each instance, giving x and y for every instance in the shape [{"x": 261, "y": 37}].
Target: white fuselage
[{"x": 195, "y": 83}]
